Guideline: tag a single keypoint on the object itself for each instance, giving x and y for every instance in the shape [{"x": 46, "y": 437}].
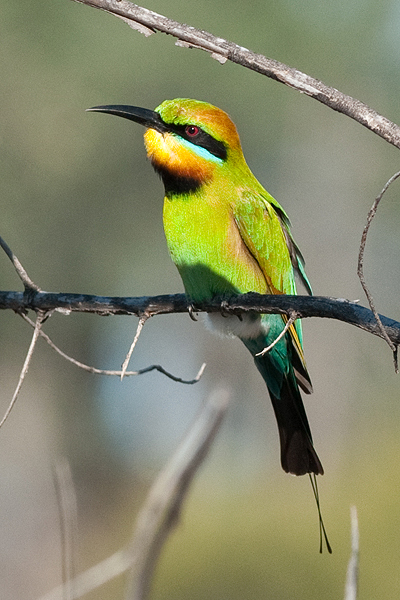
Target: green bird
[{"x": 227, "y": 235}]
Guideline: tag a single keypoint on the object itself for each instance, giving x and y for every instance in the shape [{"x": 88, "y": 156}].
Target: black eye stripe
[{"x": 203, "y": 139}]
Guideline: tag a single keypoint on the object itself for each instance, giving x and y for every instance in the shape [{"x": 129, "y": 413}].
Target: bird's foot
[
  {"x": 226, "y": 311},
  {"x": 192, "y": 311}
]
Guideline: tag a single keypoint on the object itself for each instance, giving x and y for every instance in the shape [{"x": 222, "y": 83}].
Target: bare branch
[
  {"x": 139, "y": 329},
  {"x": 288, "y": 324},
  {"x": 352, "y": 568},
  {"x": 360, "y": 268},
  {"x": 223, "y": 50},
  {"x": 22, "y": 274},
  {"x": 305, "y": 307},
  {"x": 39, "y": 320},
  {"x": 160, "y": 513},
  {"x": 96, "y": 371}
]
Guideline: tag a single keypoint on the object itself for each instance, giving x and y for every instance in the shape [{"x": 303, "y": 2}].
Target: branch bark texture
[
  {"x": 148, "y": 22},
  {"x": 303, "y": 306}
]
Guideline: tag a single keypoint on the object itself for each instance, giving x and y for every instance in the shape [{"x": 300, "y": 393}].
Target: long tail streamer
[{"x": 322, "y": 530}]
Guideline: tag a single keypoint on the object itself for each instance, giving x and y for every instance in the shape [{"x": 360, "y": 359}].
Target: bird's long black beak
[{"x": 148, "y": 118}]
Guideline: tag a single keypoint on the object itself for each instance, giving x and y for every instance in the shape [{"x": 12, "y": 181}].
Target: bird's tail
[{"x": 298, "y": 455}]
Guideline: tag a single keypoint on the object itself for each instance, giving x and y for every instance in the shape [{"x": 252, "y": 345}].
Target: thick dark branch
[
  {"x": 148, "y": 22},
  {"x": 303, "y": 306}
]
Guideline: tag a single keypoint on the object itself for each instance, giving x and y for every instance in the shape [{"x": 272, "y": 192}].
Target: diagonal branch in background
[
  {"x": 305, "y": 306},
  {"x": 162, "y": 509},
  {"x": 222, "y": 50},
  {"x": 160, "y": 512}
]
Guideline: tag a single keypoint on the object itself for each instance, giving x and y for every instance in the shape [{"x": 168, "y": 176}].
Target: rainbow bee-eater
[{"x": 227, "y": 235}]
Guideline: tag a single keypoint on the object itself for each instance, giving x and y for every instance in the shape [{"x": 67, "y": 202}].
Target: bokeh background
[{"x": 82, "y": 209}]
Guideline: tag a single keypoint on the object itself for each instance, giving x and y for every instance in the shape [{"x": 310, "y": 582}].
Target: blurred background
[{"x": 82, "y": 209}]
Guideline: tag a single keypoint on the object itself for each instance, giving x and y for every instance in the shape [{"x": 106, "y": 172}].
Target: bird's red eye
[{"x": 192, "y": 130}]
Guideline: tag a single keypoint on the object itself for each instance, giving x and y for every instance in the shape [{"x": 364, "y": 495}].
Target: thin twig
[
  {"x": 68, "y": 514},
  {"x": 39, "y": 320},
  {"x": 289, "y": 323},
  {"x": 160, "y": 512},
  {"x": 22, "y": 274},
  {"x": 360, "y": 268},
  {"x": 223, "y": 50},
  {"x": 142, "y": 321},
  {"x": 160, "y": 369},
  {"x": 352, "y": 569},
  {"x": 114, "y": 373}
]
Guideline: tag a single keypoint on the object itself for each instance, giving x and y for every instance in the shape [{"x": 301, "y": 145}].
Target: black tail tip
[{"x": 299, "y": 457}]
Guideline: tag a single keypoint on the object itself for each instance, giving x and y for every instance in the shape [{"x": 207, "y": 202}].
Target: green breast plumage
[{"x": 206, "y": 246}]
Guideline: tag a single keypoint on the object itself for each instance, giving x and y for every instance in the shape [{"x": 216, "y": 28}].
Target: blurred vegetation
[{"x": 82, "y": 210}]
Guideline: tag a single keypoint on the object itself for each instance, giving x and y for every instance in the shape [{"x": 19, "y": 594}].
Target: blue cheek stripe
[{"x": 200, "y": 151}]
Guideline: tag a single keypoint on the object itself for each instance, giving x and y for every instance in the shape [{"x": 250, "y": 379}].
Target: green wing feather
[{"x": 264, "y": 228}]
